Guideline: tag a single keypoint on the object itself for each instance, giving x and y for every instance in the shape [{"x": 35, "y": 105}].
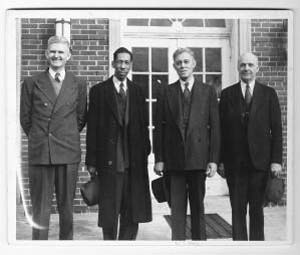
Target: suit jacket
[
  {"x": 52, "y": 123},
  {"x": 264, "y": 127},
  {"x": 104, "y": 127},
  {"x": 202, "y": 141}
]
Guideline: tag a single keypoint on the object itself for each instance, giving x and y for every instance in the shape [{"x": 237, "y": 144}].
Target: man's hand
[
  {"x": 158, "y": 168},
  {"x": 92, "y": 170},
  {"x": 276, "y": 169},
  {"x": 211, "y": 169},
  {"x": 221, "y": 170}
]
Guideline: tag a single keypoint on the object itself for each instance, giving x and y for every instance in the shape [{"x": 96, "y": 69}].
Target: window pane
[
  {"x": 193, "y": 23},
  {"x": 198, "y": 57},
  {"x": 158, "y": 81},
  {"x": 216, "y": 82},
  {"x": 140, "y": 59},
  {"x": 215, "y": 22},
  {"x": 159, "y": 60},
  {"x": 160, "y": 22},
  {"x": 213, "y": 59},
  {"x": 198, "y": 77},
  {"x": 143, "y": 82},
  {"x": 137, "y": 22}
]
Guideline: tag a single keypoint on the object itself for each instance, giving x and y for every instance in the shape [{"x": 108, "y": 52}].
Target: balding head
[
  {"x": 248, "y": 67},
  {"x": 248, "y": 56}
]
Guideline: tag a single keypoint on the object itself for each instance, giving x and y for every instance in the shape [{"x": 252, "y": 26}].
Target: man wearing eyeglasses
[{"x": 186, "y": 143}]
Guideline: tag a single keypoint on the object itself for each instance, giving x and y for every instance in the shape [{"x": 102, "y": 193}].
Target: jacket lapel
[
  {"x": 129, "y": 101},
  {"x": 67, "y": 89},
  {"x": 257, "y": 99},
  {"x": 199, "y": 96},
  {"x": 111, "y": 100},
  {"x": 236, "y": 98},
  {"x": 173, "y": 97},
  {"x": 44, "y": 84}
]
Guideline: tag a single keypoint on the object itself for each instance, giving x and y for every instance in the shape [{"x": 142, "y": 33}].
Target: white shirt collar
[
  {"x": 62, "y": 74},
  {"x": 190, "y": 81},
  {"x": 243, "y": 87},
  {"x": 117, "y": 83}
]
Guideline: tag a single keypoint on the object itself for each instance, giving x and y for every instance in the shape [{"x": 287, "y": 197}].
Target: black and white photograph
[{"x": 164, "y": 129}]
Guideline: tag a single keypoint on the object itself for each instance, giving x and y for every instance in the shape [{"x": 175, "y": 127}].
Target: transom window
[{"x": 184, "y": 22}]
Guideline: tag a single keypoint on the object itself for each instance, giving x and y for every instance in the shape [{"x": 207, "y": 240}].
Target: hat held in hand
[
  {"x": 160, "y": 189},
  {"x": 274, "y": 189},
  {"x": 90, "y": 191}
]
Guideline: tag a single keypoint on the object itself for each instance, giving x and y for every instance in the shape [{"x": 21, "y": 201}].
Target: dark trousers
[
  {"x": 128, "y": 228},
  {"x": 183, "y": 186},
  {"x": 247, "y": 186},
  {"x": 42, "y": 180}
]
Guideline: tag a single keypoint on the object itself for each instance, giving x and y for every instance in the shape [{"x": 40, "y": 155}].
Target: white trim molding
[
  {"x": 114, "y": 40},
  {"x": 244, "y": 28}
]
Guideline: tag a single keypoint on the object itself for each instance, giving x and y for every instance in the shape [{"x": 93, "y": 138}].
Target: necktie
[
  {"x": 247, "y": 95},
  {"x": 122, "y": 95},
  {"x": 57, "y": 77},
  {"x": 186, "y": 92},
  {"x": 122, "y": 91},
  {"x": 186, "y": 106}
]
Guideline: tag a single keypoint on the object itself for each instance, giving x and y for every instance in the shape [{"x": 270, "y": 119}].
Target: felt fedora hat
[
  {"x": 274, "y": 190},
  {"x": 160, "y": 189},
  {"x": 90, "y": 191}
]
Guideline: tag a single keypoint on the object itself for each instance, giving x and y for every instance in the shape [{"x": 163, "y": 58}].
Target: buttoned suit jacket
[
  {"x": 104, "y": 127},
  {"x": 264, "y": 127},
  {"x": 202, "y": 141},
  {"x": 53, "y": 123}
]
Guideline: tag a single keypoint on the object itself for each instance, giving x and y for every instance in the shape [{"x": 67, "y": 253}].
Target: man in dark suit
[
  {"x": 117, "y": 151},
  {"x": 186, "y": 143},
  {"x": 251, "y": 146},
  {"x": 52, "y": 113}
]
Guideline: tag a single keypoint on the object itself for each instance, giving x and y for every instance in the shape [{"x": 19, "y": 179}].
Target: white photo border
[{"x": 13, "y": 138}]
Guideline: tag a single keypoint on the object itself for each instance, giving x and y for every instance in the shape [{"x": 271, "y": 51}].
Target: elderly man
[
  {"x": 187, "y": 143},
  {"x": 251, "y": 146},
  {"x": 52, "y": 113}
]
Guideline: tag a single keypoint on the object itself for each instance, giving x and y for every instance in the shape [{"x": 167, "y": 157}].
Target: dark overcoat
[
  {"x": 52, "y": 123},
  {"x": 264, "y": 127},
  {"x": 201, "y": 143},
  {"x": 103, "y": 129}
]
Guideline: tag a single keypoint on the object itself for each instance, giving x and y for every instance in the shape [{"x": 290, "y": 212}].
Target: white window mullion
[
  {"x": 150, "y": 97},
  {"x": 204, "y": 65}
]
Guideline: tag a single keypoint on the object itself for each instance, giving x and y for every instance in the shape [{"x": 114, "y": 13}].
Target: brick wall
[
  {"x": 89, "y": 42},
  {"x": 269, "y": 43}
]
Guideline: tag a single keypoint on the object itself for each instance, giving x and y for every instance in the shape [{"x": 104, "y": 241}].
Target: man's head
[
  {"x": 122, "y": 63},
  {"x": 184, "y": 62},
  {"x": 248, "y": 67},
  {"x": 58, "y": 52}
]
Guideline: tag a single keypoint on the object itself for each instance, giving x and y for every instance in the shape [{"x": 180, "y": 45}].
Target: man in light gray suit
[{"x": 52, "y": 114}]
